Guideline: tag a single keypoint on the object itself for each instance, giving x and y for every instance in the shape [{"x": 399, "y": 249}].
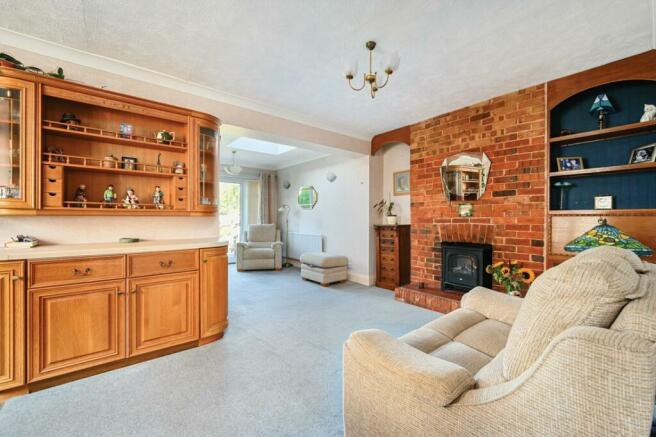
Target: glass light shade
[
  {"x": 393, "y": 61},
  {"x": 602, "y": 102},
  {"x": 351, "y": 68},
  {"x": 607, "y": 235}
]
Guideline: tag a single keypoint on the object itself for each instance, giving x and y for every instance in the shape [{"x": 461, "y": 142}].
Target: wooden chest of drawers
[{"x": 392, "y": 255}]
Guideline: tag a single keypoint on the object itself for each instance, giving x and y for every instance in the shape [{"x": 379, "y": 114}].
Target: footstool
[{"x": 324, "y": 268}]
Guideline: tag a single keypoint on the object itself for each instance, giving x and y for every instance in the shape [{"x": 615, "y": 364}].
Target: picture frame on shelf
[
  {"x": 568, "y": 163},
  {"x": 642, "y": 154},
  {"x": 402, "y": 183},
  {"x": 129, "y": 162},
  {"x": 604, "y": 201}
]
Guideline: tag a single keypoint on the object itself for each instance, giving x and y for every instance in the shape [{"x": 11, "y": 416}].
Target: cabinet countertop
[{"x": 99, "y": 249}]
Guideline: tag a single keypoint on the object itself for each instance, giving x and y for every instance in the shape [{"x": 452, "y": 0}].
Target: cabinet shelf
[
  {"x": 116, "y": 205},
  {"x": 605, "y": 170},
  {"x": 602, "y": 134},
  {"x": 98, "y": 164},
  {"x": 93, "y": 133}
]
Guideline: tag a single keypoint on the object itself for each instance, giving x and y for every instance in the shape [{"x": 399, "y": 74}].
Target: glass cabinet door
[
  {"x": 207, "y": 175},
  {"x": 16, "y": 143}
]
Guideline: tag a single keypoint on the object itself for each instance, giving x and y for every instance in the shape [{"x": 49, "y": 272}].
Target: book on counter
[{"x": 21, "y": 244}]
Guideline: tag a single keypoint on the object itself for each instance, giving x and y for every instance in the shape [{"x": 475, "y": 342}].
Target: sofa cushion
[
  {"x": 462, "y": 355},
  {"x": 589, "y": 290},
  {"x": 638, "y": 315},
  {"x": 488, "y": 336},
  {"x": 492, "y": 373},
  {"x": 492, "y": 304},
  {"x": 425, "y": 339},
  {"x": 259, "y": 253},
  {"x": 323, "y": 259},
  {"x": 262, "y": 233},
  {"x": 455, "y": 322}
]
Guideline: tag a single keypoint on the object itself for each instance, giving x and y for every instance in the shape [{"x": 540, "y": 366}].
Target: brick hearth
[{"x": 436, "y": 300}]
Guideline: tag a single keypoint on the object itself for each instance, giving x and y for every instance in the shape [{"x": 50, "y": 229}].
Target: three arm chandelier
[{"x": 389, "y": 65}]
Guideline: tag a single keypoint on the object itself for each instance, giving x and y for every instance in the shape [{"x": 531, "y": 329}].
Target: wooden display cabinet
[{"x": 41, "y": 171}]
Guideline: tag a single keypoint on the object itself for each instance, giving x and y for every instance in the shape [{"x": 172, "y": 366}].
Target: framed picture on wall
[{"x": 402, "y": 183}]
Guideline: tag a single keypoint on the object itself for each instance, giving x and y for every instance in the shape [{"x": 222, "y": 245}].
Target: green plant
[{"x": 384, "y": 206}]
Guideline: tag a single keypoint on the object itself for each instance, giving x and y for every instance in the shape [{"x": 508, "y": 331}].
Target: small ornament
[
  {"x": 650, "y": 113},
  {"x": 159, "y": 162},
  {"x": 164, "y": 136},
  {"x": 158, "y": 198},
  {"x": 178, "y": 167},
  {"x": 70, "y": 118},
  {"x": 80, "y": 196},
  {"x": 109, "y": 196},
  {"x": 131, "y": 200}
]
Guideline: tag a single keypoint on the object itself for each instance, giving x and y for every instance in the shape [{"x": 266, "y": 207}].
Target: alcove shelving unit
[
  {"x": 573, "y": 132},
  {"x": 52, "y": 157}
]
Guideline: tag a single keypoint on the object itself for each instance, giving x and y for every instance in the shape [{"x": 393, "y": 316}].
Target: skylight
[{"x": 260, "y": 146}]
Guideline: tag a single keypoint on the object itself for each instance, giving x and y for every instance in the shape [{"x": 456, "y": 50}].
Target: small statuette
[
  {"x": 649, "y": 114},
  {"x": 80, "y": 196},
  {"x": 131, "y": 200},
  {"x": 158, "y": 198},
  {"x": 109, "y": 196}
]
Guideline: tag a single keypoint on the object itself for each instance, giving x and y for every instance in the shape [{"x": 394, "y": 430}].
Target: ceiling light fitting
[
  {"x": 389, "y": 65},
  {"x": 234, "y": 169}
]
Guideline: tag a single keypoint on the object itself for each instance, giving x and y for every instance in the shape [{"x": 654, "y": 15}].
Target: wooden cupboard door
[
  {"x": 213, "y": 291},
  {"x": 75, "y": 327},
  {"x": 204, "y": 170},
  {"x": 163, "y": 311},
  {"x": 12, "y": 338}
]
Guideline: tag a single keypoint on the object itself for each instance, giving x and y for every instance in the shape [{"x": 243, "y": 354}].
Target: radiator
[{"x": 301, "y": 243}]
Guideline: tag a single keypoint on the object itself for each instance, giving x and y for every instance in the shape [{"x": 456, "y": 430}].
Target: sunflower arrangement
[{"x": 511, "y": 276}]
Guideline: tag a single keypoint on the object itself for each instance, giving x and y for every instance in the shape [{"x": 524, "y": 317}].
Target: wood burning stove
[{"x": 463, "y": 266}]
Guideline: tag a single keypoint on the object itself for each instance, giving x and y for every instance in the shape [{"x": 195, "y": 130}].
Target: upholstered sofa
[
  {"x": 260, "y": 250},
  {"x": 576, "y": 357}
]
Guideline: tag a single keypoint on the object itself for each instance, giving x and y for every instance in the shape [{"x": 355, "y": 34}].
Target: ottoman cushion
[{"x": 324, "y": 260}]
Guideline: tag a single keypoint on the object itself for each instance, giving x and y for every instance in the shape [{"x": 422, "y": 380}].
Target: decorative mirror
[
  {"x": 464, "y": 176},
  {"x": 307, "y": 197}
]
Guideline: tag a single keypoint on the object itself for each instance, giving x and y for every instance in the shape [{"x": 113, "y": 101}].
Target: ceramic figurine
[
  {"x": 131, "y": 200},
  {"x": 158, "y": 198},
  {"x": 178, "y": 167},
  {"x": 650, "y": 113},
  {"x": 80, "y": 196},
  {"x": 109, "y": 196}
]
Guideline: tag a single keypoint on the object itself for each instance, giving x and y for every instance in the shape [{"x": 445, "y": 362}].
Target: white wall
[
  {"x": 396, "y": 157},
  {"x": 342, "y": 214}
]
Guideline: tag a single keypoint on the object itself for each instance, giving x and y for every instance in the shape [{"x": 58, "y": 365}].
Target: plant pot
[{"x": 390, "y": 219}]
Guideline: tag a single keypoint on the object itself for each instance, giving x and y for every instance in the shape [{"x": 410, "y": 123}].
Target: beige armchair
[
  {"x": 577, "y": 357},
  {"x": 261, "y": 249}
]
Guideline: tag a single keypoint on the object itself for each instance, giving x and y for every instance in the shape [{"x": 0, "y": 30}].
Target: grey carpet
[{"x": 277, "y": 371}]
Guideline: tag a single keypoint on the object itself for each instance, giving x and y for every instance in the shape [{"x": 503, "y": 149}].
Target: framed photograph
[
  {"x": 465, "y": 210},
  {"x": 568, "y": 163},
  {"x": 129, "y": 163},
  {"x": 603, "y": 202},
  {"x": 402, "y": 183},
  {"x": 643, "y": 154},
  {"x": 125, "y": 130}
]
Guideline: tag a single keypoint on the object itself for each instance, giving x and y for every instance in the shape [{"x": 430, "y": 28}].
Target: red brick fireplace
[{"x": 510, "y": 129}]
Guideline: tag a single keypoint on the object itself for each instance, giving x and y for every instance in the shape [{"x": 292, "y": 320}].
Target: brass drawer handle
[
  {"x": 85, "y": 272},
  {"x": 120, "y": 292},
  {"x": 166, "y": 264},
  {"x": 16, "y": 278}
]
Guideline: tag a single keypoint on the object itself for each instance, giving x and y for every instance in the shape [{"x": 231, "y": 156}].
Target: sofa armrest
[
  {"x": 389, "y": 359},
  {"x": 492, "y": 304}
]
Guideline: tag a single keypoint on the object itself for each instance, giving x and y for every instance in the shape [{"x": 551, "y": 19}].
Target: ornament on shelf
[
  {"x": 649, "y": 113},
  {"x": 158, "y": 198},
  {"x": 109, "y": 196},
  {"x": 80, "y": 196},
  {"x": 131, "y": 200}
]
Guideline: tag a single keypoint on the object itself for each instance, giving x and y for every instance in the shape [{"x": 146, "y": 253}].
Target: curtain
[{"x": 268, "y": 198}]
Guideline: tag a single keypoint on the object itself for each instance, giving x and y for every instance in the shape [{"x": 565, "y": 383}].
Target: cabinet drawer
[
  {"x": 52, "y": 185},
  {"x": 53, "y": 171},
  {"x": 53, "y": 198},
  {"x": 162, "y": 262},
  {"x": 180, "y": 202},
  {"x": 75, "y": 270}
]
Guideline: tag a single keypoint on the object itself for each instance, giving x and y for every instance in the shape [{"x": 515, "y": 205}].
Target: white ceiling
[{"x": 287, "y": 56}]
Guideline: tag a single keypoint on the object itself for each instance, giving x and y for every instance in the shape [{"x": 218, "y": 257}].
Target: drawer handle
[
  {"x": 85, "y": 272},
  {"x": 16, "y": 278},
  {"x": 120, "y": 292},
  {"x": 166, "y": 264},
  {"x": 52, "y": 181}
]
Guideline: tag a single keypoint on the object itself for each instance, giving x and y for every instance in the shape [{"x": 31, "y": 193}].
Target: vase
[{"x": 390, "y": 219}]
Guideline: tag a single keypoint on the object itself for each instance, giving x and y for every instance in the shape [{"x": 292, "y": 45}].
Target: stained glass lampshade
[
  {"x": 607, "y": 235},
  {"x": 602, "y": 103}
]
